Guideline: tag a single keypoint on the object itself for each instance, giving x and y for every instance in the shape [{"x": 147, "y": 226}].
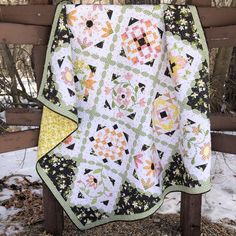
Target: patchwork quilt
[{"x": 126, "y": 110}]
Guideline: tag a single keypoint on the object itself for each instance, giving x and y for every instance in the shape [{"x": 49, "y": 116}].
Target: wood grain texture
[
  {"x": 25, "y": 139},
  {"x": 221, "y": 36},
  {"x": 23, "y": 116},
  {"x": 42, "y": 2},
  {"x": 223, "y": 143},
  {"x": 190, "y": 214},
  {"x": 221, "y": 122},
  {"x": 200, "y": 2},
  {"x": 192, "y": 2},
  {"x": 18, "y": 140},
  {"x": 213, "y": 17},
  {"x": 142, "y": 2},
  {"x": 53, "y": 213},
  {"x": 39, "y": 35},
  {"x": 220, "y": 31},
  {"x": 24, "y": 34},
  {"x": 31, "y": 15}
]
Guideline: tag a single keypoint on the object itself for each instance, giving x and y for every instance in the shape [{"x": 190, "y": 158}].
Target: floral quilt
[{"x": 126, "y": 110}]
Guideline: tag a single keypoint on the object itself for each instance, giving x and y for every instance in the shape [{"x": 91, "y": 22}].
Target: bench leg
[
  {"x": 190, "y": 214},
  {"x": 53, "y": 213}
]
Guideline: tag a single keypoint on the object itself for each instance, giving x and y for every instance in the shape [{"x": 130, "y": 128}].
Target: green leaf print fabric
[{"x": 126, "y": 111}]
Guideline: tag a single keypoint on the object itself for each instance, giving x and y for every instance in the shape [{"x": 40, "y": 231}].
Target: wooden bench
[{"x": 31, "y": 24}]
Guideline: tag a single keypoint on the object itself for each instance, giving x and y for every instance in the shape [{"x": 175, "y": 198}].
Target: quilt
[{"x": 125, "y": 119}]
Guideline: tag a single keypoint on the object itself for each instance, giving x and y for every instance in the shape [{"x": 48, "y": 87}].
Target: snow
[
  {"x": 6, "y": 194},
  {"x": 217, "y": 204},
  {"x": 15, "y": 163},
  {"x": 13, "y": 229},
  {"x": 19, "y": 162},
  {"x": 4, "y": 213},
  {"x": 5, "y": 228},
  {"x": 220, "y": 201},
  {"x": 171, "y": 204}
]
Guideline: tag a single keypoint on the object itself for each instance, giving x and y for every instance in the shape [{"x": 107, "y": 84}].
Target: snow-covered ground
[
  {"x": 218, "y": 204},
  {"x": 220, "y": 201},
  {"x": 19, "y": 162},
  {"x": 15, "y": 163}
]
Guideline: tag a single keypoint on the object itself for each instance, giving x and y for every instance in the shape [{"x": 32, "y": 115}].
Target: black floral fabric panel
[
  {"x": 179, "y": 21},
  {"x": 199, "y": 98},
  {"x": 176, "y": 174},
  {"x": 133, "y": 202},
  {"x": 60, "y": 171},
  {"x": 49, "y": 91},
  {"x": 88, "y": 215}
]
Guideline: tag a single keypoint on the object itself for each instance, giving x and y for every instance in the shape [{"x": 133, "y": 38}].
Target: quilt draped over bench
[{"x": 126, "y": 110}]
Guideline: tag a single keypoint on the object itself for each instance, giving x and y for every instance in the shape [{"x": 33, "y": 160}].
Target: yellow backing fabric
[{"x": 54, "y": 128}]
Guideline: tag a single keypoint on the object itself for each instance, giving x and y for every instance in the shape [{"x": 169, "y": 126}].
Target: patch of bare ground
[{"x": 30, "y": 218}]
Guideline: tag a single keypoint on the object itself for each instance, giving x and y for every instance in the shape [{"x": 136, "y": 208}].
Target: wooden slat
[
  {"x": 31, "y": 15},
  {"x": 24, "y": 34},
  {"x": 18, "y": 140},
  {"x": 39, "y": 35},
  {"x": 22, "y": 116},
  {"x": 190, "y": 214},
  {"x": 221, "y": 36},
  {"x": 43, "y": 15},
  {"x": 142, "y": 2},
  {"x": 29, "y": 138},
  {"x": 192, "y": 2},
  {"x": 200, "y": 2},
  {"x": 41, "y": 2},
  {"x": 216, "y": 17},
  {"x": 220, "y": 142},
  {"x": 53, "y": 213},
  {"x": 223, "y": 143},
  {"x": 221, "y": 122}
]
